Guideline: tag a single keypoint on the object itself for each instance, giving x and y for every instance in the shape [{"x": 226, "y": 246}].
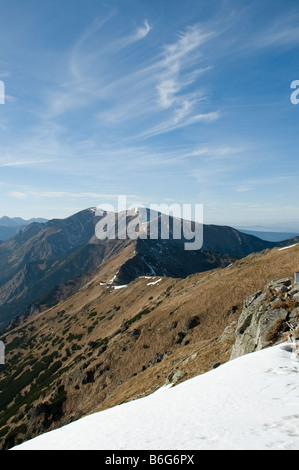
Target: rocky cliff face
[{"x": 269, "y": 316}]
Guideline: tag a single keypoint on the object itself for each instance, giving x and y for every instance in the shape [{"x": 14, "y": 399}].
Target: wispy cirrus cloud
[
  {"x": 263, "y": 181},
  {"x": 142, "y": 31},
  {"x": 76, "y": 53},
  {"x": 35, "y": 193},
  {"x": 158, "y": 92},
  {"x": 281, "y": 31},
  {"x": 20, "y": 163},
  {"x": 92, "y": 64},
  {"x": 165, "y": 90},
  {"x": 177, "y": 64},
  {"x": 180, "y": 120}
]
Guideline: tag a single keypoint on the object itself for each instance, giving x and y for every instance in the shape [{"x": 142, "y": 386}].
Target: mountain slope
[
  {"x": 9, "y": 227},
  {"x": 270, "y": 236},
  {"x": 218, "y": 410},
  {"x": 18, "y": 221},
  {"x": 105, "y": 344},
  {"x": 43, "y": 256}
]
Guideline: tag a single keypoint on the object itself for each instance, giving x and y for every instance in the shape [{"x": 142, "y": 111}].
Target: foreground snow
[{"x": 250, "y": 403}]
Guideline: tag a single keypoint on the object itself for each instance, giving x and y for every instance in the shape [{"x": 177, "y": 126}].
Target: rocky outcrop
[{"x": 269, "y": 316}]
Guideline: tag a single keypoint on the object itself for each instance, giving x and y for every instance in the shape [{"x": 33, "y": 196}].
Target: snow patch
[
  {"x": 112, "y": 280},
  {"x": 249, "y": 403},
  {"x": 287, "y": 247},
  {"x": 154, "y": 282}
]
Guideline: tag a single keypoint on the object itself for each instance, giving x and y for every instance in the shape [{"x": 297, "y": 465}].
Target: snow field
[{"x": 249, "y": 403}]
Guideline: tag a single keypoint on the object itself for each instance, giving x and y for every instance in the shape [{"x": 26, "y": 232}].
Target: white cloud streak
[
  {"x": 23, "y": 163},
  {"x": 161, "y": 87}
]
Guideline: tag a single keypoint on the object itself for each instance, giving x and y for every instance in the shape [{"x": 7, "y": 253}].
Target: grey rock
[
  {"x": 229, "y": 332},
  {"x": 189, "y": 358},
  {"x": 158, "y": 358},
  {"x": 251, "y": 298},
  {"x": 254, "y": 330},
  {"x": 260, "y": 321},
  {"x": 175, "y": 376},
  {"x": 279, "y": 285},
  {"x": 294, "y": 315},
  {"x": 294, "y": 290}
]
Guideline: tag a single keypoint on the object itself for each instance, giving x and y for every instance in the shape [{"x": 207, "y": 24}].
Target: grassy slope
[{"x": 83, "y": 355}]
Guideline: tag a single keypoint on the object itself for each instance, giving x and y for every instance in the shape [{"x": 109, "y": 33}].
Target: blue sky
[{"x": 162, "y": 101}]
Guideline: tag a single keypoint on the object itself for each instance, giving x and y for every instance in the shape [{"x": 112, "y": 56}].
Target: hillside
[
  {"x": 270, "y": 236},
  {"x": 43, "y": 256},
  {"x": 215, "y": 411},
  {"x": 9, "y": 227},
  {"x": 106, "y": 344}
]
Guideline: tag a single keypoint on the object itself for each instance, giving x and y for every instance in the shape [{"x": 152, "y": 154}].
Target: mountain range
[
  {"x": 9, "y": 227},
  {"x": 107, "y": 344},
  {"x": 88, "y": 324},
  {"x": 45, "y": 262},
  {"x": 270, "y": 236}
]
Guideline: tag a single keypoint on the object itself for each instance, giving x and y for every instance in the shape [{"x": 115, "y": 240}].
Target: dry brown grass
[
  {"x": 275, "y": 331},
  {"x": 287, "y": 304},
  {"x": 123, "y": 371}
]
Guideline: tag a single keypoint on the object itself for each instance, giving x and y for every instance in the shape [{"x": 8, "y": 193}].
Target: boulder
[
  {"x": 259, "y": 322},
  {"x": 175, "y": 376},
  {"x": 158, "y": 358},
  {"x": 280, "y": 285}
]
